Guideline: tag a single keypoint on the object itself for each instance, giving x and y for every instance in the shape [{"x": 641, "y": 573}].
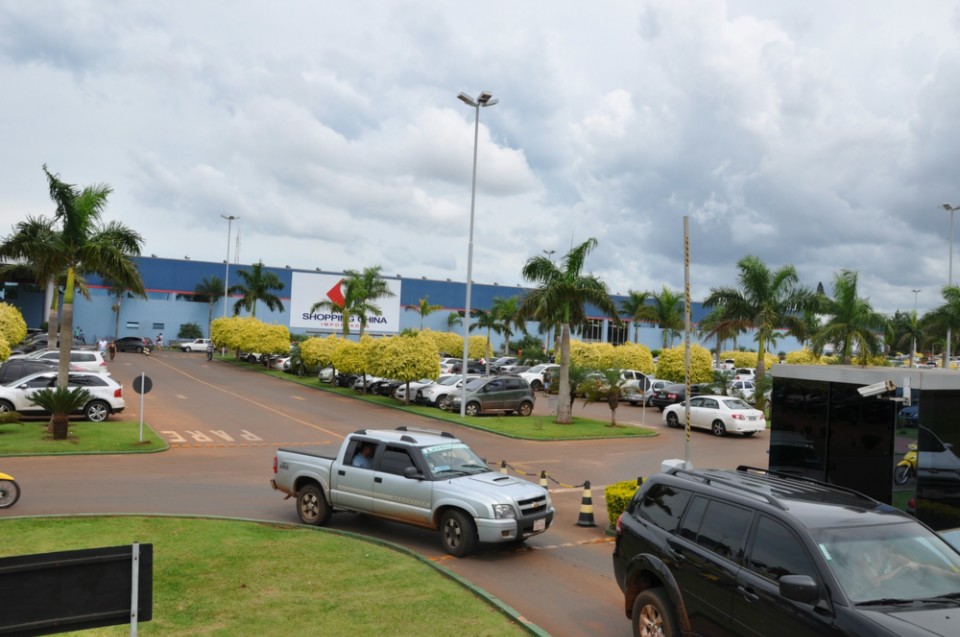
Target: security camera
[{"x": 877, "y": 388}]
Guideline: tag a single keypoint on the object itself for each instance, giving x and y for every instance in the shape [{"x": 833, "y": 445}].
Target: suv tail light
[
  {"x": 274, "y": 464},
  {"x": 118, "y": 392},
  {"x": 619, "y": 525}
]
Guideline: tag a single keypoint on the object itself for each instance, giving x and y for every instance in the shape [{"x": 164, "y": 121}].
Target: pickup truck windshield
[{"x": 454, "y": 458}]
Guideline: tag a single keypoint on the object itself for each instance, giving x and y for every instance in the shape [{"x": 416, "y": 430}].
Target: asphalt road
[{"x": 224, "y": 423}]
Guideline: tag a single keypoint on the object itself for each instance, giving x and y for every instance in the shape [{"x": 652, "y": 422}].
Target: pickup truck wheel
[
  {"x": 312, "y": 507},
  {"x": 525, "y": 409},
  {"x": 458, "y": 533},
  {"x": 653, "y": 615}
]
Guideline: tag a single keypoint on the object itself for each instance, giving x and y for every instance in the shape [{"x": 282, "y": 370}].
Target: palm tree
[
  {"x": 424, "y": 309},
  {"x": 806, "y": 327},
  {"x": 945, "y": 318},
  {"x": 363, "y": 289},
  {"x": 83, "y": 245},
  {"x": 257, "y": 286},
  {"x": 489, "y": 321},
  {"x": 853, "y": 325},
  {"x": 34, "y": 243},
  {"x": 507, "y": 311},
  {"x": 765, "y": 300},
  {"x": 61, "y": 402},
  {"x": 666, "y": 311},
  {"x": 561, "y": 297},
  {"x": 211, "y": 291},
  {"x": 454, "y": 319},
  {"x": 633, "y": 306},
  {"x": 907, "y": 332},
  {"x": 714, "y": 325}
]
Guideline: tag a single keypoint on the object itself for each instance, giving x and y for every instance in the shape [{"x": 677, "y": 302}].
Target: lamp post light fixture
[
  {"x": 951, "y": 210},
  {"x": 226, "y": 275},
  {"x": 483, "y": 100}
]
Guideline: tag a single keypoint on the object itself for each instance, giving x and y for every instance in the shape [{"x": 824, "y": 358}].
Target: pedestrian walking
[
  {"x": 112, "y": 349},
  {"x": 102, "y": 346},
  {"x": 160, "y": 341},
  {"x": 81, "y": 336},
  {"x": 210, "y": 351}
]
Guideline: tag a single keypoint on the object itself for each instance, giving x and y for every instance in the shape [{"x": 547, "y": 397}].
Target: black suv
[
  {"x": 16, "y": 368},
  {"x": 755, "y": 552}
]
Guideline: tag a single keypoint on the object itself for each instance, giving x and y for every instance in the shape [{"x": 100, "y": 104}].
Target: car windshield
[
  {"x": 453, "y": 380},
  {"x": 735, "y": 404},
  {"x": 890, "y": 562},
  {"x": 452, "y": 459},
  {"x": 475, "y": 383}
]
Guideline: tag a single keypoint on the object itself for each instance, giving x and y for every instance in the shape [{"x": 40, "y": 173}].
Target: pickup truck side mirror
[{"x": 411, "y": 473}]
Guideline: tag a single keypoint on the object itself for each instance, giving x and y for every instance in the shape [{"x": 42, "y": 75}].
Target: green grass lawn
[
  {"x": 111, "y": 436},
  {"x": 230, "y": 578}
]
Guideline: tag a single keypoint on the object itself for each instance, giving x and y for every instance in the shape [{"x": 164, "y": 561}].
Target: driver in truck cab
[{"x": 364, "y": 456}]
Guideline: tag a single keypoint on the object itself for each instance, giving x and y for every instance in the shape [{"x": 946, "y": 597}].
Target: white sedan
[
  {"x": 196, "y": 345},
  {"x": 719, "y": 414}
]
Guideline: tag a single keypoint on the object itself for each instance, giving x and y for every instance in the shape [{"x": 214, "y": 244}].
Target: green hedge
[{"x": 618, "y": 496}]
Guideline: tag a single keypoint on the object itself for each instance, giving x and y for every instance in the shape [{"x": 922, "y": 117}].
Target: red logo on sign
[{"x": 335, "y": 294}]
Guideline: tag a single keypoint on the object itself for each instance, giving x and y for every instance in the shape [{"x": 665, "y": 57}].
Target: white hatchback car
[
  {"x": 106, "y": 394},
  {"x": 88, "y": 360},
  {"x": 719, "y": 414}
]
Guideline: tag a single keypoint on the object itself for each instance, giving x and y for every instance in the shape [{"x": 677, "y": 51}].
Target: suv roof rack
[
  {"x": 793, "y": 477},
  {"x": 711, "y": 479}
]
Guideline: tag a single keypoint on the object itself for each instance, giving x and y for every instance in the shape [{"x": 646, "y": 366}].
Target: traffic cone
[
  {"x": 543, "y": 480},
  {"x": 503, "y": 466},
  {"x": 586, "y": 507}
]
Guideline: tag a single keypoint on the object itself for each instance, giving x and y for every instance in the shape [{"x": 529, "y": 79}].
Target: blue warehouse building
[{"x": 171, "y": 283}]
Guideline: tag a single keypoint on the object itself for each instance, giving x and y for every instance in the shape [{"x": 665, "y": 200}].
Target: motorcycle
[
  {"x": 907, "y": 467},
  {"x": 9, "y": 491}
]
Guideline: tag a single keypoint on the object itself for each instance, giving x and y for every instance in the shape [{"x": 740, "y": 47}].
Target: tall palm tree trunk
[
  {"x": 66, "y": 330},
  {"x": 564, "y": 405},
  {"x": 53, "y": 324}
]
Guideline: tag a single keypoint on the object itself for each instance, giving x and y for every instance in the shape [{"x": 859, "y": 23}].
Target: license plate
[
  {"x": 540, "y": 525},
  {"x": 752, "y": 418}
]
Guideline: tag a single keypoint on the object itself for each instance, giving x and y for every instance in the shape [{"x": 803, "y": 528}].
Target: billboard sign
[{"x": 307, "y": 289}]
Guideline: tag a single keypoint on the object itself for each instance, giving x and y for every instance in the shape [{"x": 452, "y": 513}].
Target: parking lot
[{"x": 224, "y": 421}]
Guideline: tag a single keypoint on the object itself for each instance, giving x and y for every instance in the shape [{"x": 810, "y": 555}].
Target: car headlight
[
  {"x": 549, "y": 501},
  {"x": 504, "y": 511}
]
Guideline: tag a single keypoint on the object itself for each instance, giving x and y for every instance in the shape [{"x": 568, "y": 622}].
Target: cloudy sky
[{"x": 820, "y": 134}]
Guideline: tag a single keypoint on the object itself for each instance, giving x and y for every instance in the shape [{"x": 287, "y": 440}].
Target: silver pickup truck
[{"x": 418, "y": 476}]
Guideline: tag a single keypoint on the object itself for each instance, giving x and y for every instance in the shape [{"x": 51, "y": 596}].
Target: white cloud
[{"x": 814, "y": 134}]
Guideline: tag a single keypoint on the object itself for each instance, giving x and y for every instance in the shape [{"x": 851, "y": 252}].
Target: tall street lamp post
[
  {"x": 226, "y": 274},
  {"x": 483, "y": 100},
  {"x": 913, "y": 352},
  {"x": 951, "y": 210}
]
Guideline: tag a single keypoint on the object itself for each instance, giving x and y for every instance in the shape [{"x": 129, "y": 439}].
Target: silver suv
[{"x": 504, "y": 394}]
